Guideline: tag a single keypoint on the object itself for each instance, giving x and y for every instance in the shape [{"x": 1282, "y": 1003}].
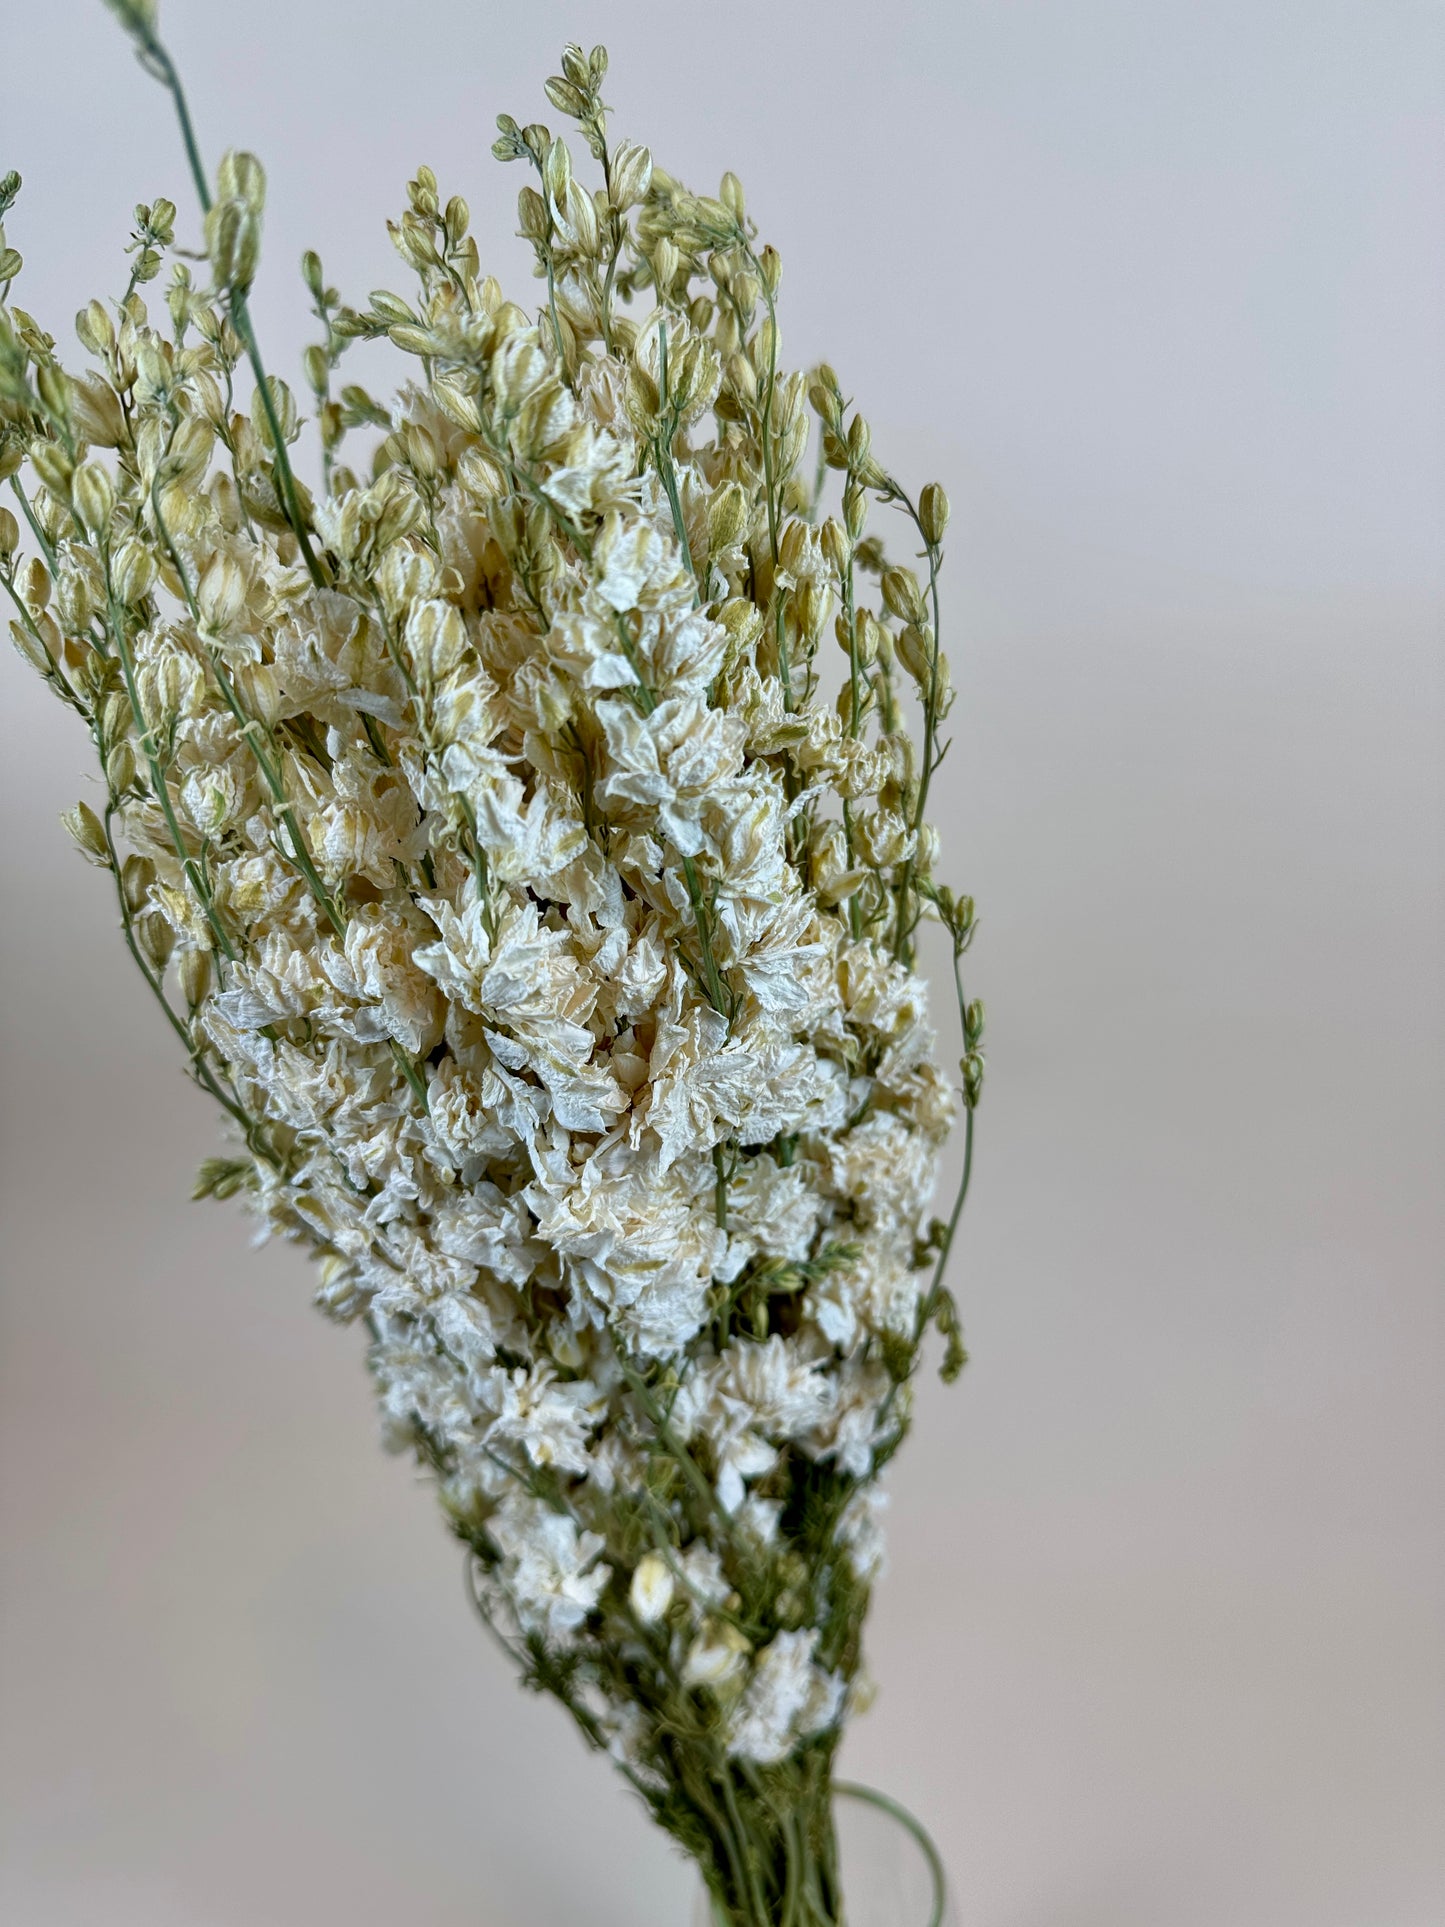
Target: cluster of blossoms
[{"x": 526, "y": 840}]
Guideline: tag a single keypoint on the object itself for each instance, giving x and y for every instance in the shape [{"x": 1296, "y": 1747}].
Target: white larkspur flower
[{"x": 528, "y": 832}]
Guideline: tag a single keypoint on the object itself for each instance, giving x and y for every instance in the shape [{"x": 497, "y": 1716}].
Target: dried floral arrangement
[{"x": 527, "y": 842}]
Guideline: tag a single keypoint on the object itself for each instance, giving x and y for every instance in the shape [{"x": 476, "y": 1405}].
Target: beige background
[{"x": 1157, "y": 290}]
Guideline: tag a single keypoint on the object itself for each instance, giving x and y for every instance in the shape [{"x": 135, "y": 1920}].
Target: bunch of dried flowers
[{"x": 526, "y": 839}]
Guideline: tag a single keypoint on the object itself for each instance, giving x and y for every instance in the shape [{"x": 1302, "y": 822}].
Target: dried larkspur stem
[{"x": 526, "y": 838}]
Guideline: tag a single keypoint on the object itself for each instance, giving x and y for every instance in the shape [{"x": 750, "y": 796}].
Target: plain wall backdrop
[{"x": 1156, "y": 290}]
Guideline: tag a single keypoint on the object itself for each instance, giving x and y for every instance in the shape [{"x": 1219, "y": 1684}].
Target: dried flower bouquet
[{"x": 526, "y": 839}]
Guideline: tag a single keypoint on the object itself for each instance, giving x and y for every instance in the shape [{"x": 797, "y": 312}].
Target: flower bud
[
  {"x": 221, "y": 594},
  {"x": 9, "y": 532},
  {"x": 241, "y": 177},
  {"x": 855, "y": 510},
  {"x": 972, "y": 1068},
  {"x": 742, "y": 378},
  {"x": 133, "y": 571},
  {"x": 137, "y": 874},
  {"x": 480, "y": 476},
  {"x": 95, "y": 329},
  {"x": 88, "y": 833},
  {"x": 557, "y": 170},
  {"x": 33, "y": 582},
  {"x": 836, "y": 546},
  {"x": 915, "y": 652},
  {"x": 94, "y": 497},
  {"x": 652, "y": 1588},
  {"x": 436, "y": 638},
  {"x": 532, "y": 215},
  {"x": 194, "y": 974},
  {"x": 120, "y": 767},
  {"x": 54, "y": 386},
  {"x": 233, "y": 243},
  {"x": 586, "y": 212},
  {"x": 715, "y": 1656},
  {"x": 933, "y": 513},
  {"x": 631, "y": 176},
  {"x": 54, "y": 467},
  {"x": 32, "y": 651},
  {"x": 156, "y": 938},
  {"x": 284, "y": 403},
  {"x": 727, "y": 516},
  {"x": 260, "y": 692},
  {"x": 902, "y": 595},
  {"x": 665, "y": 259}
]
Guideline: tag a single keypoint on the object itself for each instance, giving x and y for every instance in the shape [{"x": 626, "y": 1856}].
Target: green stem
[
  {"x": 157, "y": 62},
  {"x": 852, "y": 1790}
]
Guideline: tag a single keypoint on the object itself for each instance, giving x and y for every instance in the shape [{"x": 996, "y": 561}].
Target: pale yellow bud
[
  {"x": 631, "y": 176},
  {"x": 652, "y": 1588},
  {"x": 436, "y": 638},
  {"x": 95, "y": 329},
  {"x": 54, "y": 467},
  {"x": 665, "y": 259},
  {"x": 233, "y": 243},
  {"x": 32, "y": 651},
  {"x": 902, "y": 595},
  {"x": 261, "y": 692},
  {"x": 716, "y": 1656},
  {"x": 156, "y": 938},
  {"x": 241, "y": 177},
  {"x": 403, "y": 577},
  {"x": 120, "y": 767},
  {"x": 793, "y": 546},
  {"x": 94, "y": 497},
  {"x": 855, "y": 510},
  {"x": 9, "y": 532},
  {"x": 811, "y": 604},
  {"x": 194, "y": 974},
  {"x": 742, "y": 378},
  {"x": 284, "y": 403},
  {"x": 133, "y": 571},
  {"x": 582, "y": 217},
  {"x": 420, "y": 451},
  {"x": 915, "y": 653},
  {"x": 557, "y": 170},
  {"x": 33, "y": 582},
  {"x": 727, "y": 516},
  {"x": 99, "y": 418},
  {"x": 221, "y": 594},
  {"x": 136, "y": 877},
  {"x": 532, "y": 216},
  {"x": 88, "y": 833},
  {"x": 836, "y": 546},
  {"x": 400, "y": 515},
  {"x": 933, "y": 512},
  {"x": 480, "y": 476}
]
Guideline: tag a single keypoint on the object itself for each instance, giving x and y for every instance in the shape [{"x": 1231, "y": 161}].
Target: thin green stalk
[
  {"x": 852, "y": 1790},
  {"x": 156, "y": 61},
  {"x": 47, "y": 548}
]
